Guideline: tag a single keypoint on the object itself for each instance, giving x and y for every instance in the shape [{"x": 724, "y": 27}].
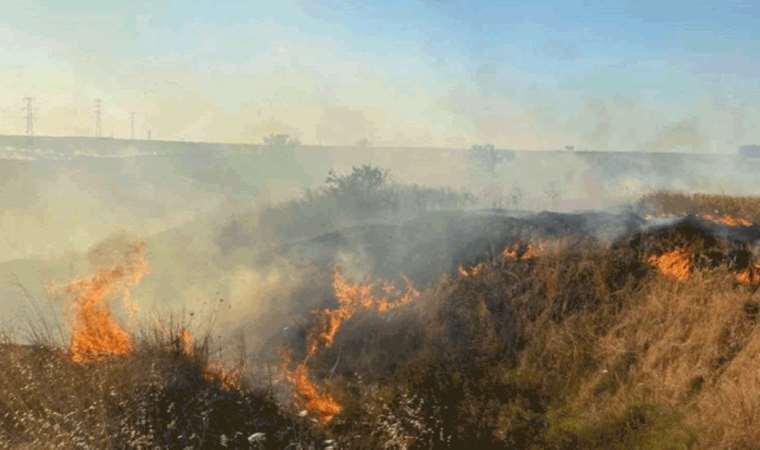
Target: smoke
[
  {"x": 344, "y": 126},
  {"x": 231, "y": 231},
  {"x": 683, "y": 135}
]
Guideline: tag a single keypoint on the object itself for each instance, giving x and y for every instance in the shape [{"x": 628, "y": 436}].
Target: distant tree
[
  {"x": 363, "y": 143},
  {"x": 281, "y": 140},
  {"x": 366, "y": 190},
  {"x": 553, "y": 193},
  {"x": 516, "y": 197},
  {"x": 488, "y": 156},
  {"x": 362, "y": 179}
]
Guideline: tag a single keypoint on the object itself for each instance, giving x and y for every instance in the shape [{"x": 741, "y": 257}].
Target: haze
[{"x": 648, "y": 76}]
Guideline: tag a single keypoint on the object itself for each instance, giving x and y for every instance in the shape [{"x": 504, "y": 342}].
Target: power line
[
  {"x": 29, "y": 109},
  {"x": 98, "y": 108}
]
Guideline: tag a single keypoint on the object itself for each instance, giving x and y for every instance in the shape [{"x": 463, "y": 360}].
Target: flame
[
  {"x": 525, "y": 251},
  {"x": 353, "y": 298},
  {"x": 229, "y": 379},
  {"x": 750, "y": 276},
  {"x": 725, "y": 219},
  {"x": 473, "y": 271},
  {"x": 728, "y": 220},
  {"x": 95, "y": 333},
  {"x": 675, "y": 264},
  {"x": 517, "y": 252},
  {"x": 309, "y": 397},
  {"x": 512, "y": 251},
  {"x": 184, "y": 342},
  {"x": 532, "y": 251}
]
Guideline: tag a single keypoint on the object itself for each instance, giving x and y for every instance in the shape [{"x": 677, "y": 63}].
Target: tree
[
  {"x": 363, "y": 179},
  {"x": 488, "y": 156},
  {"x": 365, "y": 190},
  {"x": 280, "y": 141},
  {"x": 363, "y": 143},
  {"x": 516, "y": 196},
  {"x": 553, "y": 193}
]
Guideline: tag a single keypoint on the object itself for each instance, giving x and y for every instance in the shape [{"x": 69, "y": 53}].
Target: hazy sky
[{"x": 637, "y": 75}]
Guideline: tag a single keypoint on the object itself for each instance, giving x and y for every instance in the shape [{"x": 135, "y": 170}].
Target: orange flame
[
  {"x": 309, "y": 397},
  {"x": 229, "y": 379},
  {"x": 517, "y": 252},
  {"x": 95, "y": 333},
  {"x": 675, "y": 264},
  {"x": 353, "y": 298},
  {"x": 473, "y": 271},
  {"x": 750, "y": 276},
  {"x": 532, "y": 251},
  {"x": 728, "y": 220},
  {"x": 184, "y": 342},
  {"x": 525, "y": 251},
  {"x": 512, "y": 251}
]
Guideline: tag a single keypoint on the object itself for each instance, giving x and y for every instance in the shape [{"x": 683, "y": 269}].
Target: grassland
[{"x": 578, "y": 343}]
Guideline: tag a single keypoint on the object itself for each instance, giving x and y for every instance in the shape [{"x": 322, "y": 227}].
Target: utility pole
[
  {"x": 29, "y": 109},
  {"x": 132, "y": 126},
  {"x": 98, "y": 107}
]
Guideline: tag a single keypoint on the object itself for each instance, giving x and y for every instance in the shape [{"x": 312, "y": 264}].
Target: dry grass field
[{"x": 647, "y": 341}]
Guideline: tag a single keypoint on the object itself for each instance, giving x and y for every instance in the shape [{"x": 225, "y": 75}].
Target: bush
[{"x": 363, "y": 195}]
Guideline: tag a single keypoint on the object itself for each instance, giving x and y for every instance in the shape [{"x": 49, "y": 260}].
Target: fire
[
  {"x": 675, "y": 264},
  {"x": 515, "y": 252},
  {"x": 750, "y": 276},
  {"x": 184, "y": 342},
  {"x": 512, "y": 251},
  {"x": 526, "y": 251},
  {"x": 473, "y": 271},
  {"x": 319, "y": 403},
  {"x": 228, "y": 378},
  {"x": 95, "y": 332},
  {"x": 353, "y": 298},
  {"x": 531, "y": 251},
  {"x": 728, "y": 220}
]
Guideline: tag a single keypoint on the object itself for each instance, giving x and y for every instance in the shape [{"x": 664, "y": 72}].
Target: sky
[{"x": 627, "y": 75}]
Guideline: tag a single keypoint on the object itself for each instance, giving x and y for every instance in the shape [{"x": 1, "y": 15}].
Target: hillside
[{"x": 578, "y": 331}]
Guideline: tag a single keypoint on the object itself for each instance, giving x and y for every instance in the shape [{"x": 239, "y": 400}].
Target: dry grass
[
  {"x": 584, "y": 345},
  {"x": 160, "y": 396},
  {"x": 676, "y": 203}
]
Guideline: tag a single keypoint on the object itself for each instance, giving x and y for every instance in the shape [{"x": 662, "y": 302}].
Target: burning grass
[
  {"x": 675, "y": 264},
  {"x": 153, "y": 397},
  {"x": 590, "y": 345},
  {"x": 111, "y": 389},
  {"x": 648, "y": 341},
  {"x": 95, "y": 333},
  {"x": 728, "y": 210},
  {"x": 309, "y": 396},
  {"x": 352, "y": 298}
]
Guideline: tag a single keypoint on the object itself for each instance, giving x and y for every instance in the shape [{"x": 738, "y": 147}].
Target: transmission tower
[
  {"x": 98, "y": 107},
  {"x": 132, "y": 126},
  {"x": 29, "y": 110}
]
